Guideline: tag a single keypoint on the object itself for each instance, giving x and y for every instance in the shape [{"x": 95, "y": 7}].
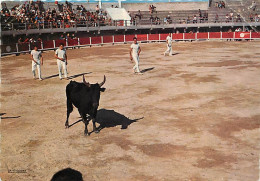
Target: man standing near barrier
[
  {"x": 61, "y": 56},
  {"x": 134, "y": 55},
  {"x": 37, "y": 61},
  {"x": 169, "y": 45}
]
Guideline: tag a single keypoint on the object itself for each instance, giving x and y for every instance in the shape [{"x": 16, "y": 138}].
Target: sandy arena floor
[{"x": 198, "y": 115}]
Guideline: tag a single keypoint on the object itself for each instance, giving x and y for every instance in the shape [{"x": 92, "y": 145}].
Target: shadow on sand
[
  {"x": 147, "y": 70},
  {"x": 110, "y": 118},
  {"x": 70, "y": 77},
  {"x": 10, "y": 117}
]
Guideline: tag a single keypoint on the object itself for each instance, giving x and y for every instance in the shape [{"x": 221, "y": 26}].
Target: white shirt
[
  {"x": 61, "y": 53},
  {"x": 169, "y": 39},
  {"x": 135, "y": 49},
  {"x": 36, "y": 55}
]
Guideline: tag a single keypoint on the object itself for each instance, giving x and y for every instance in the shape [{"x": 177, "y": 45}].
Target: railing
[
  {"x": 115, "y": 39},
  {"x": 137, "y": 22}
]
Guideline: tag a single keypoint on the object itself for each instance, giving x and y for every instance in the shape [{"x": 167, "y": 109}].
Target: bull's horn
[
  {"x": 102, "y": 83},
  {"x": 84, "y": 81}
]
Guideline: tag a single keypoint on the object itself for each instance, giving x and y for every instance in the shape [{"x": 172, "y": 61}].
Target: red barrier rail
[
  {"x": 52, "y": 44},
  {"x": 202, "y": 35},
  {"x": 119, "y": 38},
  {"x": 107, "y": 39},
  {"x": 73, "y": 42}
]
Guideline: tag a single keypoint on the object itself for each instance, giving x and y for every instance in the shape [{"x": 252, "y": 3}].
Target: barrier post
[
  {"x": 78, "y": 42},
  {"x": 17, "y": 49},
  {"x": 221, "y": 37},
  {"x": 183, "y": 34},
  {"x": 42, "y": 44},
  {"x": 234, "y": 36},
  {"x": 250, "y": 36},
  {"x": 102, "y": 41},
  {"x": 196, "y": 36},
  {"x": 67, "y": 44},
  {"x": 208, "y": 36},
  {"x": 54, "y": 45},
  {"x": 147, "y": 37},
  {"x": 29, "y": 46},
  {"x": 113, "y": 39}
]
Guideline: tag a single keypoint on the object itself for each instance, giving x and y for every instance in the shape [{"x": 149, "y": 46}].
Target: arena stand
[
  {"x": 116, "y": 39},
  {"x": 205, "y": 28}
]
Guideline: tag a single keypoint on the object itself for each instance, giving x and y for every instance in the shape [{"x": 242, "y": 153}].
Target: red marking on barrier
[
  {"x": 202, "y": 35},
  {"x": 129, "y": 37},
  {"x": 84, "y": 41},
  {"x": 142, "y": 37},
  {"x": 163, "y": 36},
  {"x": 188, "y": 36},
  {"x": 227, "y": 35},
  {"x": 119, "y": 38},
  {"x": 96, "y": 40},
  {"x": 153, "y": 37},
  {"x": 72, "y": 42},
  {"x": 178, "y": 36},
  {"x": 48, "y": 44},
  {"x": 255, "y": 35},
  {"x": 215, "y": 35},
  {"x": 58, "y": 42},
  {"x": 243, "y": 35},
  {"x": 107, "y": 39}
]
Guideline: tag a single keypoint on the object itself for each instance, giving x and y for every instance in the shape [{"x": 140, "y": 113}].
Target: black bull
[{"x": 85, "y": 97}]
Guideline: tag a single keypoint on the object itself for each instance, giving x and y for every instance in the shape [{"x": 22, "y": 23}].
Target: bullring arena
[{"x": 192, "y": 116}]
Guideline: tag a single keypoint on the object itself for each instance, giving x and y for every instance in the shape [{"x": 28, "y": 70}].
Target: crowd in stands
[
  {"x": 34, "y": 14},
  {"x": 220, "y": 4}
]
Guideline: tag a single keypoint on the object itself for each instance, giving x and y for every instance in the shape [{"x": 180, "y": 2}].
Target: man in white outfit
[
  {"x": 61, "y": 56},
  {"x": 169, "y": 45},
  {"x": 37, "y": 61},
  {"x": 134, "y": 55}
]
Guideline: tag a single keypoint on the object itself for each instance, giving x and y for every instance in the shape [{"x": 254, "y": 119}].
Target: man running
[
  {"x": 134, "y": 55},
  {"x": 169, "y": 45},
  {"x": 37, "y": 61},
  {"x": 61, "y": 56}
]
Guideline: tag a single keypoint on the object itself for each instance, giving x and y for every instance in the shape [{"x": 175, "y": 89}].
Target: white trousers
[
  {"x": 34, "y": 65},
  {"x": 169, "y": 50},
  {"x": 136, "y": 60},
  {"x": 62, "y": 64}
]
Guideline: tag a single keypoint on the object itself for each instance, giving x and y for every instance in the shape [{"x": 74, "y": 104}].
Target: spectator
[
  {"x": 251, "y": 17},
  {"x": 227, "y": 18},
  {"x": 188, "y": 20},
  {"x": 253, "y": 6},
  {"x": 139, "y": 15},
  {"x": 216, "y": 19},
  {"x": 97, "y": 9},
  {"x": 157, "y": 20},
  {"x": 238, "y": 18},
  {"x": 169, "y": 20},
  {"x": 194, "y": 19},
  {"x": 151, "y": 19}
]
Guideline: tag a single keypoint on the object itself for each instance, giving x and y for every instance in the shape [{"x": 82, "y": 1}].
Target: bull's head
[{"x": 95, "y": 89}]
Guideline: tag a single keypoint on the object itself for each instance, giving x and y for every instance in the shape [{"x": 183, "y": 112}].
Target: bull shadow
[
  {"x": 110, "y": 118},
  {"x": 147, "y": 70}
]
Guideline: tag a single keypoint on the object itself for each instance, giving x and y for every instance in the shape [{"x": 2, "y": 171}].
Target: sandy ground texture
[{"x": 197, "y": 115}]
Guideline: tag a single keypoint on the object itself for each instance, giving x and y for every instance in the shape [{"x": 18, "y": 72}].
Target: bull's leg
[
  {"x": 94, "y": 122},
  {"x": 69, "y": 110},
  {"x": 86, "y": 121}
]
